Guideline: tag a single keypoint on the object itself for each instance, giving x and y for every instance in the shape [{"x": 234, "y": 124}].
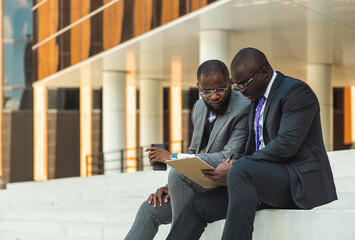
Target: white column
[
  {"x": 114, "y": 118},
  {"x": 319, "y": 78},
  {"x": 320, "y": 59},
  {"x": 40, "y": 134},
  {"x": 151, "y": 113},
  {"x": 150, "y": 95},
  {"x": 214, "y": 44}
]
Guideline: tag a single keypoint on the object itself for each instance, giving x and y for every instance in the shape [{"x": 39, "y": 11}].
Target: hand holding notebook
[{"x": 191, "y": 168}]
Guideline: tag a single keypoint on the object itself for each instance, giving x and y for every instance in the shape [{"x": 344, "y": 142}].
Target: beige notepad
[{"x": 191, "y": 168}]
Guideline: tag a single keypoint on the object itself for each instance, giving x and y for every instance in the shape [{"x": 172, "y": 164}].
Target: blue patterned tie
[
  {"x": 212, "y": 116},
  {"x": 257, "y": 118}
]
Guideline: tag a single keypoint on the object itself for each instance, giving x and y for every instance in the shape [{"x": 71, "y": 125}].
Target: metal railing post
[
  {"x": 101, "y": 164},
  {"x": 122, "y": 161},
  {"x": 141, "y": 159}
]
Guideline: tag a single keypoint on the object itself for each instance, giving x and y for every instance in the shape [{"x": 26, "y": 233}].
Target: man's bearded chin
[{"x": 220, "y": 111}]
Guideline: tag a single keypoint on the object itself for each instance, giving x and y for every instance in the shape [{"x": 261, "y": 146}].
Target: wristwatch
[{"x": 173, "y": 156}]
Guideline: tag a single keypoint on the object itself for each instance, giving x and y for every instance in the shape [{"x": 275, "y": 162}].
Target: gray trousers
[{"x": 148, "y": 218}]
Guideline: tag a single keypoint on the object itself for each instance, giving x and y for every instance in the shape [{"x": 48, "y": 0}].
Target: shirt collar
[{"x": 266, "y": 94}]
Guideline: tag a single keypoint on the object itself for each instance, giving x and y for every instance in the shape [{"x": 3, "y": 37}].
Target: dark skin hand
[
  {"x": 220, "y": 173},
  {"x": 157, "y": 154},
  {"x": 157, "y": 197}
]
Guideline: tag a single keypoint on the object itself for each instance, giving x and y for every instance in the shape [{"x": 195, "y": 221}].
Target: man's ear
[
  {"x": 265, "y": 73},
  {"x": 197, "y": 85}
]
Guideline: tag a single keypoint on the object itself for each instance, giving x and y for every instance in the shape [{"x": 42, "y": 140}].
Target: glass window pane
[{"x": 64, "y": 99}]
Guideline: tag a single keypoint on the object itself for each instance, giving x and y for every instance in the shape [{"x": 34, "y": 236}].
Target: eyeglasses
[
  {"x": 244, "y": 84},
  {"x": 208, "y": 93}
]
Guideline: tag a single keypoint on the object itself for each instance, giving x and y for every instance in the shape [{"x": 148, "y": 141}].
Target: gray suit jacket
[
  {"x": 293, "y": 136},
  {"x": 229, "y": 134}
]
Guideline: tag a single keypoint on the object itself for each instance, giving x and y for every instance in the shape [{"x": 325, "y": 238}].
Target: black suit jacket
[{"x": 293, "y": 136}]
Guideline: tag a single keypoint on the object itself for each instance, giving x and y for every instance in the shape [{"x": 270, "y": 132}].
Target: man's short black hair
[
  {"x": 249, "y": 57},
  {"x": 210, "y": 68}
]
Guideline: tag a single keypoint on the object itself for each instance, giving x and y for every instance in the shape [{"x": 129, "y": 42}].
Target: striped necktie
[{"x": 257, "y": 118}]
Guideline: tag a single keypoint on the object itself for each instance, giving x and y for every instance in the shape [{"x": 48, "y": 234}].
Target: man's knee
[
  {"x": 146, "y": 210},
  {"x": 201, "y": 207},
  {"x": 156, "y": 215},
  {"x": 194, "y": 204},
  {"x": 239, "y": 170}
]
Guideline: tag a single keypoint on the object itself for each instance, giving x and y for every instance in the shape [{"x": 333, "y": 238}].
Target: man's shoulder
[
  {"x": 199, "y": 104},
  {"x": 291, "y": 82},
  {"x": 239, "y": 103},
  {"x": 286, "y": 85},
  {"x": 295, "y": 89},
  {"x": 199, "y": 107}
]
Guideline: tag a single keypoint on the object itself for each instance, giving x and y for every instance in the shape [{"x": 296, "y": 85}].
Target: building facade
[{"x": 108, "y": 77}]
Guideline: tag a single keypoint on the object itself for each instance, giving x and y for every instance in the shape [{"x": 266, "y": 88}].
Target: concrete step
[
  {"x": 128, "y": 191},
  {"x": 305, "y": 225},
  {"x": 284, "y": 225},
  {"x": 24, "y": 230},
  {"x": 121, "y": 181},
  {"x": 68, "y": 216},
  {"x": 104, "y": 207},
  {"x": 346, "y": 201},
  {"x": 114, "y": 211},
  {"x": 269, "y": 224},
  {"x": 30, "y": 236},
  {"x": 345, "y": 184},
  {"x": 53, "y": 230},
  {"x": 123, "y": 204},
  {"x": 93, "y": 195},
  {"x": 85, "y": 205},
  {"x": 342, "y": 163}
]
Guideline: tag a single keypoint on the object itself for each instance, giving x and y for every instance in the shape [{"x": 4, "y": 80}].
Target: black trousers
[{"x": 251, "y": 186}]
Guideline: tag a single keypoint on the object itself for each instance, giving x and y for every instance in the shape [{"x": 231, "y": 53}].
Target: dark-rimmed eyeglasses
[
  {"x": 244, "y": 84},
  {"x": 208, "y": 93}
]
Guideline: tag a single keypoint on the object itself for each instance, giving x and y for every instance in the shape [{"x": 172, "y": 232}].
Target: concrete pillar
[
  {"x": 320, "y": 81},
  {"x": 114, "y": 118},
  {"x": 85, "y": 120},
  {"x": 320, "y": 59},
  {"x": 150, "y": 95},
  {"x": 40, "y": 133},
  {"x": 151, "y": 113},
  {"x": 214, "y": 44}
]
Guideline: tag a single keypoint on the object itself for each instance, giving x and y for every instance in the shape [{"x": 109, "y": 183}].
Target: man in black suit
[{"x": 286, "y": 164}]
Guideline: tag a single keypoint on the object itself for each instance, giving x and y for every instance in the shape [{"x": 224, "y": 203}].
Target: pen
[{"x": 228, "y": 159}]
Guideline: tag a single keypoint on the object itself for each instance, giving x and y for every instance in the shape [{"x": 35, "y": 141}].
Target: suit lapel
[
  {"x": 250, "y": 146},
  {"x": 201, "y": 120},
  {"x": 278, "y": 80},
  {"x": 220, "y": 121}
]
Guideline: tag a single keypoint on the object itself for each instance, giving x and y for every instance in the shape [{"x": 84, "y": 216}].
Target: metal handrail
[{"x": 95, "y": 163}]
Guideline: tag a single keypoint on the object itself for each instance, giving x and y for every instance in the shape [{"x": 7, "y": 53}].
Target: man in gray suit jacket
[
  {"x": 220, "y": 130},
  {"x": 285, "y": 166}
]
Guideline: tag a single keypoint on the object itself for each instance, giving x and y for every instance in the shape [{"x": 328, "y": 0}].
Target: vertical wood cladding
[
  {"x": 112, "y": 24},
  {"x": 64, "y": 39},
  {"x": 96, "y": 23},
  {"x": 84, "y": 28},
  {"x": 128, "y": 25},
  {"x": 48, "y": 53}
]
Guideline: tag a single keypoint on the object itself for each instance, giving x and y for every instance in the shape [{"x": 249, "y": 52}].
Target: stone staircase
[{"x": 104, "y": 207}]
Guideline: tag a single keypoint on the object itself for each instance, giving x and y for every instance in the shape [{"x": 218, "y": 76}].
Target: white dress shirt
[{"x": 261, "y": 119}]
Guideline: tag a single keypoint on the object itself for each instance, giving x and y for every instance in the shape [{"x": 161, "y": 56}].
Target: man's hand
[
  {"x": 158, "y": 196},
  {"x": 157, "y": 154},
  {"x": 220, "y": 173}
]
